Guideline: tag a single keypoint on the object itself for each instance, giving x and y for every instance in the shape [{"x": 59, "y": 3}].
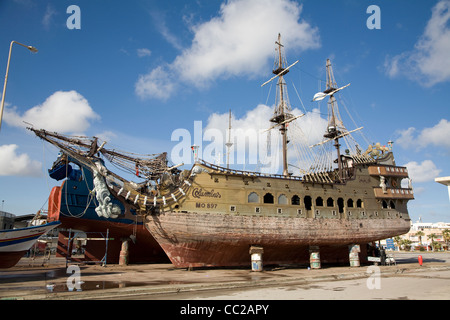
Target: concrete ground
[
  {"x": 30, "y": 280},
  {"x": 433, "y": 284}
]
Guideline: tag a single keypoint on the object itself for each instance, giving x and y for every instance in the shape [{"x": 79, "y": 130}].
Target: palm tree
[
  {"x": 446, "y": 236},
  {"x": 406, "y": 244},
  {"x": 420, "y": 234},
  {"x": 398, "y": 241},
  {"x": 432, "y": 236}
]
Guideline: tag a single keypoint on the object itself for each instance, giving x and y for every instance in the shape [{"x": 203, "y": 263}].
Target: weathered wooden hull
[
  {"x": 208, "y": 239},
  {"x": 211, "y": 215},
  {"x": 67, "y": 201}
]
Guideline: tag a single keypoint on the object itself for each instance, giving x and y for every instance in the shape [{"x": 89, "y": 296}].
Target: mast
[
  {"x": 229, "y": 143},
  {"x": 280, "y": 114},
  {"x": 86, "y": 151},
  {"x": 332, "y": 128},
  {"x": 335, "y": 128}
]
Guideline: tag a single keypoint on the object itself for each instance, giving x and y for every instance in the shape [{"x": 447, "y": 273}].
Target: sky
[{"x": 159, "y": 76}]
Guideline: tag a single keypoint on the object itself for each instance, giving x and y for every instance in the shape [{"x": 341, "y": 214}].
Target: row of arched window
[
  {"x": 386, "y": 205},
  {"x": 307, "y": 201}
]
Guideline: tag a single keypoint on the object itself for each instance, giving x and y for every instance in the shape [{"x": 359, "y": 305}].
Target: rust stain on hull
[{"x": 201, "y": 239}]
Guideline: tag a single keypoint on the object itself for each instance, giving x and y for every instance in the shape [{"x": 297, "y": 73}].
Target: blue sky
[{"x": 135, "y": 73}]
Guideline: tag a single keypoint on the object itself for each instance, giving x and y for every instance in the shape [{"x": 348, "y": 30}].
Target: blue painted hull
[{"x": 73, "y": 203}]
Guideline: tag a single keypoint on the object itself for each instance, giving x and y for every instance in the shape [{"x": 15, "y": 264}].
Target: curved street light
[{"x": 33, "y": 50}]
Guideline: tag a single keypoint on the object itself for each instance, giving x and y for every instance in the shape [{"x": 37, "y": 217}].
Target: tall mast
[
  {"x": 332, "y": 129},
  {"x": 280, "y": 114},
  {"x": 229, "y": 143}
]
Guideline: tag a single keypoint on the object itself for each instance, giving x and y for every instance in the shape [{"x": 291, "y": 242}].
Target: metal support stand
[{"x": 75, "y": 235}]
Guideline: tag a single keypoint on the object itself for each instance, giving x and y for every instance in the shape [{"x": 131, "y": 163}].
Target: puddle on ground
[
  {"x": 92, "y": 285},
  {"x": 56, "y": 281},
  {"x": 85, "y": 286},
  {"x": 100, "y": 285}
]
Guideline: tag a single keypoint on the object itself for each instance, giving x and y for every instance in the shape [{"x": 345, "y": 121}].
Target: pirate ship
[{"x": 214, "y": 216}]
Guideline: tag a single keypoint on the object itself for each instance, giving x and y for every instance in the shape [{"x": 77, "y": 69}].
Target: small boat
[{"x": 14, "y": 243}]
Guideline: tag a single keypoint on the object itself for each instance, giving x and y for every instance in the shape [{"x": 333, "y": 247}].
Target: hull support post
[{"x": 256, "y": 253}]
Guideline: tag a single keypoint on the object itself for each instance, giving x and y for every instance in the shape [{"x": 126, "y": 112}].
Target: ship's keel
[
  {"x": 226, "y": 255},
  {"x": 207, "y": 240}
]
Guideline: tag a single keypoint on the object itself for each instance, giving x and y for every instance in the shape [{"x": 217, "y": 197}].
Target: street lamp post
[{"x": 32, "y": 49}]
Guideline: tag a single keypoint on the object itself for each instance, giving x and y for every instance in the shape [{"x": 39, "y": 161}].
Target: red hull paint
[
  {"x": 238, "y": 255},
  {"x": 202, "y": 239},
  {"x": 10, "y": 259},
  {"x": 145, "y": 250}
]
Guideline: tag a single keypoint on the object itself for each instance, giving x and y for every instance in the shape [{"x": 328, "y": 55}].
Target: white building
[
  {"x": 428, "y": 229},
  {"x": 445, "y": 181},
  {"x": 6, "y": 220}
]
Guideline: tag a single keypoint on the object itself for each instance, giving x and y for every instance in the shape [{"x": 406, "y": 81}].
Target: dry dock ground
[{"x": 31, "y": 280}]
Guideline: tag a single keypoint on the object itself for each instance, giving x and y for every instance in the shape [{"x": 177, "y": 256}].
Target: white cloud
[
  {"x": 143, "y": 52},
  {"x": 157, "y": 84},
  {"x": 429, "y": 61},
  {"x": 63, "y": 111},
  {"x": 160, "y": 24},
  {"x": 313, "y": 126},
  {"x": 48, "y": 16},
  {"x": 437, "y": 135},
  {"x": 391, "y": 65},
  {"x": 13, "y": 164},
  {"x": 106, "y": 135},
  {"x": 237, "y": 42},
  {"x": 256, "y": 119},
  {"x": 249, "y": 136},
  {"x": 406, "y": 139},
  {"x": 423, "y": 172},
  {"x": 241, "y": 40},
  {"x": 249, "y": 141},
  {"x": 434, "y": 136}
]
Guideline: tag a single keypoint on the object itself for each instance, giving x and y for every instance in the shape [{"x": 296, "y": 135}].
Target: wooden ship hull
[
  {"x": 73, "y": 204},
  {"x": 215, "y": 216},
  {"x": 215, "y": 224}
]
